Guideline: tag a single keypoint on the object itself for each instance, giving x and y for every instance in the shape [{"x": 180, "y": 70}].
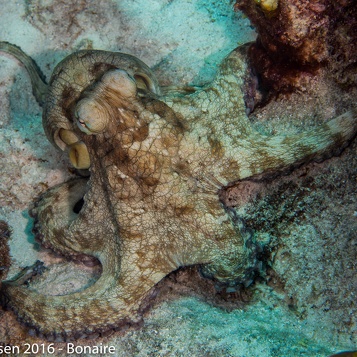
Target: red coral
[{"x": 300, "y": 37}]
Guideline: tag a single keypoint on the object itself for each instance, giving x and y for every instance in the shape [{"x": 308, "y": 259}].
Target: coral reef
[
  {"x": 302, "y": 39},
  {"x": 309, "y": 217},
  {"x": 158, "y": 164}
]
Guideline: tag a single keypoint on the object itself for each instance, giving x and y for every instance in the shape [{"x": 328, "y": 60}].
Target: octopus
[{"x": 154, "y": 164}]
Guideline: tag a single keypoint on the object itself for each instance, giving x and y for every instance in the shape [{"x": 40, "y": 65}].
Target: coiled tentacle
[{"x": 38, "y": 80}]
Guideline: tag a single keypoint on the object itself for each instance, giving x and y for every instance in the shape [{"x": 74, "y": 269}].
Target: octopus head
[
  {"x": 93, "y": 112},
  {"x": 94, "y": 86}
]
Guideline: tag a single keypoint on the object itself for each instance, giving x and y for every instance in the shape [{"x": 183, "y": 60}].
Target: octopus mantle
[{"x": 157, "y": 164}]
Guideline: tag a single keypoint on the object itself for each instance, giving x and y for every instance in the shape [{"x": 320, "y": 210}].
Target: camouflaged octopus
[{"x": 157, "y": 164}]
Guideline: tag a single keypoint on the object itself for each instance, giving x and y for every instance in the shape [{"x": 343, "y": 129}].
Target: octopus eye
[
  {"x": 90, "y": 118},
  {"x": 120, "y": 83},
  {"x": 144, "y": 83},
  {"x": 80, "y": 121}
]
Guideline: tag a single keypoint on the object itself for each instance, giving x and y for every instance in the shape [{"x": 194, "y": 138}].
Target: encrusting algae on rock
[
  {"x": 268, "y": 5},
  {"x": 5, "y": 260},
  {"x": 157, "y": 166},
  {"x": 300, "y": 42}
]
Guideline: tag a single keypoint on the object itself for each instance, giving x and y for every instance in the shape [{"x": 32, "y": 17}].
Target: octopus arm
[
  {"x": 257, "y": 155},
  {"x": 106, "y": 305},
  {"x": 114, "y": 299},
  {"x": 39, "y": 85}
]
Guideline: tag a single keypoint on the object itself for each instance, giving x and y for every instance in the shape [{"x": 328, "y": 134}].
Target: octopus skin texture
[{"x": 157, "y": 164}]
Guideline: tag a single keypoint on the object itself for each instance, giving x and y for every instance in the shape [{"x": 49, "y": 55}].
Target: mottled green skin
[{"x": 151, "y": 203}]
